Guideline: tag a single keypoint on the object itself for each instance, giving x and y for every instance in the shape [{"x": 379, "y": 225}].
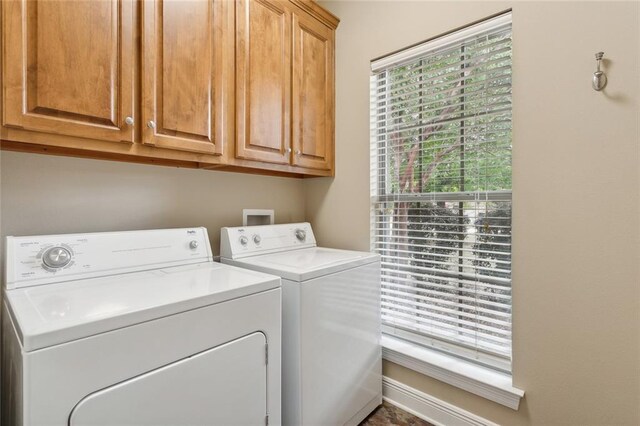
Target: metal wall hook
[{"x": 599, "y": 80}]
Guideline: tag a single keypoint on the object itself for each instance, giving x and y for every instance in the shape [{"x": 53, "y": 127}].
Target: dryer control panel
[
  {"x": 46, "y": 259},
  {"x": 244, "y": 241}
]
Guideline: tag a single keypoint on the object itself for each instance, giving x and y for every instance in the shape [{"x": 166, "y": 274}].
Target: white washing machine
[
  {"x": 137, "y": 328},
  {"x": 331, "y": 356}
]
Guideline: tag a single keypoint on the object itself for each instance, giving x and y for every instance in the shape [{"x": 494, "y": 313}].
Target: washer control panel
[
  {"x": 254, "y": 240},
  {"x": 53, "y": 258},
  {"x": 300, "y": 234}
]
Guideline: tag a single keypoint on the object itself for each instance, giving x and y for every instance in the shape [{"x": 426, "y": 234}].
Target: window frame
[{"x": 380, "y": 182}]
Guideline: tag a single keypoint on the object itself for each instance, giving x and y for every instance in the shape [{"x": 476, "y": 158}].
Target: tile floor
[{"x": 388, "y": 414}]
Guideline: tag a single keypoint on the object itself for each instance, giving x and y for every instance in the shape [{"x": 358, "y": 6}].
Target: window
[{"x": 441, "y": 191}]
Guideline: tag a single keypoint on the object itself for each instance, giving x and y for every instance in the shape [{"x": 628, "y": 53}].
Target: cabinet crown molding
[{"x": 318, "y": 12}]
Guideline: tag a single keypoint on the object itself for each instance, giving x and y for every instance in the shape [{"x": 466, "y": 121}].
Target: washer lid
[
  {"x": 48, "y": 315},
  {"x": 306, "y": 264}
]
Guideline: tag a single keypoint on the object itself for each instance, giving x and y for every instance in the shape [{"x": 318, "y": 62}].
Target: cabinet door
[
  {"x": 69, "y": 67},
  {"x": 184, "y": 74},
  {"x": 313, "y": 93},
  {"x": 263, "y": 84}
]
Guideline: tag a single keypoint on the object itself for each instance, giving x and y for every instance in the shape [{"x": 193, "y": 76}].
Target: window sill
[{"x": 481, "y": 381}]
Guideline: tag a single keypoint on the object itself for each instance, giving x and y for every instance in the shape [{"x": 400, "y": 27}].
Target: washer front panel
[
  {"x": 226, "y": 385},
  {"x": 59, "y": 377}
]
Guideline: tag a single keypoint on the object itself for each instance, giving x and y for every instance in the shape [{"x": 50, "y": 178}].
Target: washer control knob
[
  {"x": 193, "y": 245},
  {"x": 56, "y": 257},
  {"x": 244, "y": 240},
  {"x": 257, "y": 239},
  {"x": 301, "y": 235}
]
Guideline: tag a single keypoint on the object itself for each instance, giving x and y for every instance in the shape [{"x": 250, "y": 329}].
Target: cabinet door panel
[
  {"x": 313, "y": 86},
  {"x": 263, "y": 80},
  {"x": 184, "y": 77},
  {"x": 69, "y": 67}
]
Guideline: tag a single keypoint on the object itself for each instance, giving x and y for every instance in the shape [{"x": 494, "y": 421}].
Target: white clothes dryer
[
  {"x": 137, "y": 328},
  {"x": 331, "y": 370}
]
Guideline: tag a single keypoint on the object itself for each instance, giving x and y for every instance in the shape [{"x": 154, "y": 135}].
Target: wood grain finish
[
  {"x": 313, "y": 9},
  {"x": 73, "y": 70},
  {"x": 313, "y": 93},
  {"x": 186, "y": 74},
  {"x": 263, "y": 82},
  {"x": 68, "y": 67}
]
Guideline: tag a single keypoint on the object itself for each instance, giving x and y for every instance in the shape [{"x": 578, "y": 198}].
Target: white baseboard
[{"x": 427, "y": 407}]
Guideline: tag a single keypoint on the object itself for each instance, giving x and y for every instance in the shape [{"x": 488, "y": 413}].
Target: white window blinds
[{"x": 441, "y": 191}]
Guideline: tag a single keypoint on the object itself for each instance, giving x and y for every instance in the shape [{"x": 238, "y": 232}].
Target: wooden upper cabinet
[
  {"x": 313, "y": 93},
  {"x": 68, "y": 67},
  {"x": 186, "y": 70},
  {"x": 244, "y": 84},
  {"x": 285, "y": 84},
  {"x": 263, "y": 81}
]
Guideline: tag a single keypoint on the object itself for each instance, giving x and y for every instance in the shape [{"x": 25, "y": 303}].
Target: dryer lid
[
  {"x": 48, "y": 315},
  {"x": 306, "y": 264}
]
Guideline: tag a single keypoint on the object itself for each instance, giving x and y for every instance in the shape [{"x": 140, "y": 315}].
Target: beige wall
[
  {"x": 576, "y": 196},
  {"x": 46, "y": 194},
  {"x": 576, "y": 253}
]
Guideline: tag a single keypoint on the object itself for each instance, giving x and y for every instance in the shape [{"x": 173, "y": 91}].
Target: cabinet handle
[
  {"x": 151, "y": 124},
  {"x": 298, "y": 152},
  {"x": 288, "y": 150},
  {"x": 129, "y": 121}
]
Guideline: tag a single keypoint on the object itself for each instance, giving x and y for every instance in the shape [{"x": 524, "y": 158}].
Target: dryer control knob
[
  {"x": 56, "y": 257},
  {"x": 244, "y": 240},
  {"x": 301, "y": 235},
  {"x": 257, "y": 239}
]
